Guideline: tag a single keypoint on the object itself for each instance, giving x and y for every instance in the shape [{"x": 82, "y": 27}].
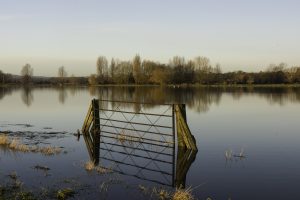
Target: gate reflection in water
[{"x": 139, "y": 144}]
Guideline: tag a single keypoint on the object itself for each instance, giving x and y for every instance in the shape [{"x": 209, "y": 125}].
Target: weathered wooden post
[
  {"x": 96, "y": 129},
  {"x": 185, "y": 138},
  {"x": 88, "y": 120}
]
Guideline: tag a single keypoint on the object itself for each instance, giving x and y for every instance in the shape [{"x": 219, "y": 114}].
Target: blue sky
[{"x": 240, "y": 34}]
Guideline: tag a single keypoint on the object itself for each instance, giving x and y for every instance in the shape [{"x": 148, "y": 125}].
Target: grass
[
  {"x": 49, "y": 150},
  {"x": 90, "y": 166},
  {"x": 229, "y": 154},
  {"x": 64, "y": 193},
  {"x": 4, "y": 140},
  {"x": 13, "y": 188},
  {"x": 183, "y": 194},
  {"x": 163, "y": 194},
  {"x": 16, "y": 145}
]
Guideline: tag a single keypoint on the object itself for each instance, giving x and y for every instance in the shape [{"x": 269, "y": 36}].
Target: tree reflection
[
  {"x": 62, "y": 95},
  {"x": 5, "y": 91},
  {"x": 27, "y": 96},
  {"x": 199, "y": 99}
]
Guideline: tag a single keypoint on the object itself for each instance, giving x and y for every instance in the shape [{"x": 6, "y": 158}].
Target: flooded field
[{"x": 247, "y": 141}]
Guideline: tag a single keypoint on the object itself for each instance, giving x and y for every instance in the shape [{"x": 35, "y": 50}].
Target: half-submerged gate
[{"x": 131, "y": 140}]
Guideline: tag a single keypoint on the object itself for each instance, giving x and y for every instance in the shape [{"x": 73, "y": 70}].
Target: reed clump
[
  {"x": 65, "y": 193},
  {"x": 90, "y": 166},
  {"x": 49, "y": 150},
  {"x": 163, "y": 194},
  {"x": 16, "y": 145},
  {"x": 229, "y": 154},
  {"x": 183, "y": 194},
  {"x": 4, "y": 140}
]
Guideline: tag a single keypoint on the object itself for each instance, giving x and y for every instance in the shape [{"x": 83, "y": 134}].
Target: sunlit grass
[
  {"x": 16, "y": 145},
  {"x": 90, "y": 166},
  {"x": 164, "y": 194},
  {"x": 183, "y": 194},
  {"x": 4, "y": 140},
  {"x": 49, "y": 150}
]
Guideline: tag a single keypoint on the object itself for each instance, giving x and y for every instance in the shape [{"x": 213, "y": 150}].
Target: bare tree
[
  {"x": 177, "y": 61},
  {"x": 136, "y": 65},
  {"x": 2, "y": 75},
  {"x": 112, "y": 68},
  {"x": 102, "y": 68},
  {"x": 92, "y": 79},
  {"x": 277, "y": 68},
  {"x": 217, "y": 69},
  {"x": 62, "y": 74},
  {"x": 202, "y": 64},
  {"x": 159, "y": 75},
  {"x": 27, "y": 73}
]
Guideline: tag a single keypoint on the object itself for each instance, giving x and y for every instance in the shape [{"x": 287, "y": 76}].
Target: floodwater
[{"x": 261, "y": 124}]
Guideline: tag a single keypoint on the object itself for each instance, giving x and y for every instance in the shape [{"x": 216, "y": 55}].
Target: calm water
[{"x": 264, "y": 122}]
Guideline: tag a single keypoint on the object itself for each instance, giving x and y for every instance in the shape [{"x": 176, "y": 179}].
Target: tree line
[{"x": 177, "y": 71}]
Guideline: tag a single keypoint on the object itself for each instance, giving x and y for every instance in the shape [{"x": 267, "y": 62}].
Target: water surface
[{"x": 264, "y": 122}]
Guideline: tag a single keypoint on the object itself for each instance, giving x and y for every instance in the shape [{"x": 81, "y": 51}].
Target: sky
[{"x": 243, "y": 35}]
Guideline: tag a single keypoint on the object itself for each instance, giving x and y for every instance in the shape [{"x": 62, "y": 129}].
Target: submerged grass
[{"x": 16, "y": 145}]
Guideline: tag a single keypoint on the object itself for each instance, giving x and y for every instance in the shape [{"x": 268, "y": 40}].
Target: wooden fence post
[
  {"x": 185, "y": 138},
  {"x": 96, "y": 127}
]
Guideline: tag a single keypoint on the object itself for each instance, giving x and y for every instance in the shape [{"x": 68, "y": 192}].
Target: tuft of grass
[
  {"x": 4, "y": 140},
  {"x": 163, "y": 194},
  {"x": 228, "y": 154},
  {"x": 65, "y": 193},
  {"x": 89, "y": 166},
  {"x": 16, "y": 145},
  {"x": 25, "y": 196},
  {"x": 183, "y": 194},
  {"x": 49, "y": 150},
  {"x": 23, "y": 148},
  {"x": 160, "y": 193}
]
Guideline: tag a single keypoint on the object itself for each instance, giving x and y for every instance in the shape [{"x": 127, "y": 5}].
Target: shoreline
[{"x": 156, "y": 85}]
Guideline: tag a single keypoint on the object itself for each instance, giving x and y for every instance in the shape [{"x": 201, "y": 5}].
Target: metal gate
[{"x": 129, "y": 139}]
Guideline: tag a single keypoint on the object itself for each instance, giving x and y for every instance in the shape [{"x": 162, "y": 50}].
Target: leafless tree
[
  {"x": 62, "y": 74},
  {"x": 137, "y": 72},
  {"x": 26, "y": 73}
]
